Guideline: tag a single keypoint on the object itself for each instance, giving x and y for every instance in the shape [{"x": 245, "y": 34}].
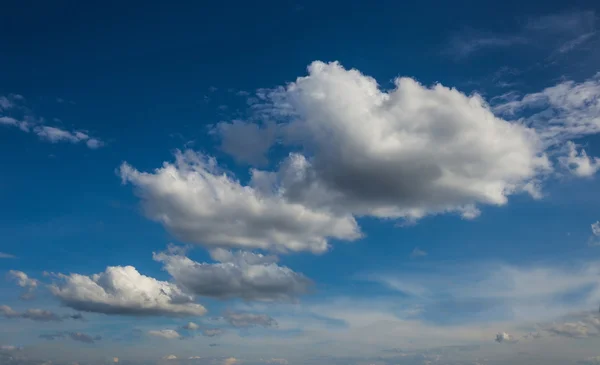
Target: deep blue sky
[{"x": 149, "y": 78}]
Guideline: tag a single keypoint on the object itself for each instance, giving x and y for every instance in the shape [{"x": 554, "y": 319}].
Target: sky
[{"x": 300, "y": 182}]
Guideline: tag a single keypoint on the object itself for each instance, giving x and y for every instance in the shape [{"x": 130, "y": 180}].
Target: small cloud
[
  {"x": 170, "y": 357},
  {"x": 417, "y": 252},
  {"x": 168, "y": 334},
  {"x": 595, "y": 239},
  {"x": 115, "y": 360},
  {"x": 503, "y": 337},
  {"x": 212, "y": 332},
  {"x": 231, "y": 361},
  {"x": 249, "y": 320},
  {"x": 6, "y": 256},
  {"x": 579, "y": 163},
  {"x": 191, "y": 326}
]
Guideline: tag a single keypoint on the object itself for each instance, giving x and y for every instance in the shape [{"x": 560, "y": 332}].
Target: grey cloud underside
[
  {"x": 38, "y": 315},
  {"x": 249, "y": 320},
  {"x": 238, "y": 275},
  {"x": 75, "y": 336}
]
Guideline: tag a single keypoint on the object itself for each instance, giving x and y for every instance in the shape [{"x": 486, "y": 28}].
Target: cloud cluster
[
  {"x": 403, "y": 153},
  {"x": 579, "y": 163},
  {"x": 241, "y": 274},
  {"x": 123, "y": 290},
  {"x": 582, "y": 326}
]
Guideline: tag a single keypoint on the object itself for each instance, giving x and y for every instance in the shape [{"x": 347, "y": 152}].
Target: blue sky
[{"x": 300, "y": 183}]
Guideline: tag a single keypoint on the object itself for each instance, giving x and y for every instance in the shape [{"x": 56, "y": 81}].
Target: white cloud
[
  {"x": 560, "y": 113},
  {"x": 191, "y": 326},
  {"x": 238, "y": 274},
  {"x": 503, "y": 337},
  {"x": 581, "y": 326},
  {"x": 406, "y": 153},
  {"x": 6, "y": 256},
  {"x": 200, "y": 204},
  {"x": 596, "y": 228},
  {"x": 168, "y": 334},
  {"x": 170, "y": 357},
  {"x": 579, "y": 163},
  {"x": 25, "y": 282},
  {"x": 123, "y": 290}
]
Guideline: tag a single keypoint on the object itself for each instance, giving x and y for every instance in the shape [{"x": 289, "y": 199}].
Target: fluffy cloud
[
  {"x": 123, "y": 290},
  {"x": 168, "y": 334},
  {"x": 409, "y": 152},
  {"x": 579, "y": 163},
  {"x": 170, "y": 357},
  {"x": 191, "y": 326},
  {"x": 38, "y": 315},
  {"x": 241, "y": 274},
  {"x": 503, "y": 337},
  {"x": 249, "y": 320},
  {"x": 201, "y": 204}
]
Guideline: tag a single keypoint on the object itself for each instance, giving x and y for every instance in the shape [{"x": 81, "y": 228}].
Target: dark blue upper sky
[{"x": 470, "y": 208}]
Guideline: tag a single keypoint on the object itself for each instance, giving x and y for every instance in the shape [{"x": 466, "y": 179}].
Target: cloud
[
  {"x": 170, "y": 357},
  {"x": 168, "y": 334},
  {"x": 405, "y": 153},
  {"x": 559, "y": 113},
  {"x": 590, "y": 361},
  {"x": 212, "y": 332},
  {"x": 25, "y": 282},
  {"x": 249, "y": 320},
  {"x": 277, "y": 361},
  {"x": 32, "y": 124},
  {"x": 231, "y": 361},
  {"x": 417, "y": 252},
  {"x": 75, "y": 336},
  {"x": 123, "y": 290},
  {"x": 579, "y": 163},
  {"x": 581, "y": 326},
  {"x": 191, "y": 326},
  {"x": 38, "y": 315},
  {"x": 246, "y": 142},
  {"x": 6, "y": 256},
  {"x": 82, "y": 337},
  {"x": 241, "y": 274},
  {"x": 503, "y": 337},
  {"x": 200, "y": 204}
]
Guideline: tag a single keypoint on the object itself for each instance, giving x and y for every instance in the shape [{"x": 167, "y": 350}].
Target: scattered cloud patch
[
  {"x": 4, "y": 255},
  {"x": 24, "y": 282},
  {"x": 38, "y": 315},
  {"x": 212, "y": 332},
  {"x": 191, "y": 326}
]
